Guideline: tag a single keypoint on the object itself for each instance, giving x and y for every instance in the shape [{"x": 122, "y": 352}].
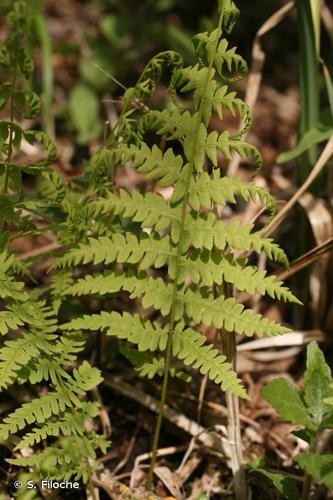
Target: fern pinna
[
  {"x": 181, "y": 235},
  {"x": 33, "y": 351}
]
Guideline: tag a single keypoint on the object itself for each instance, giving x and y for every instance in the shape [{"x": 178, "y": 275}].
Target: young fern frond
[{"x": 186, "y": 237}]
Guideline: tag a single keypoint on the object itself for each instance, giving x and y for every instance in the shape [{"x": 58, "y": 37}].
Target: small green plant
[{"x": 312, "y": 409}]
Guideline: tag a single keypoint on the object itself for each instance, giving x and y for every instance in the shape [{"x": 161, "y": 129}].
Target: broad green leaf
[
  {"x": 329, "y": 400},
  {"x": 284, "y": 484},
  {"x": 84, "y": 110},
  {"x": 317, "y": 382},
  {"x": 320, "y": 467},
  {"x": 315, "y": 135},
  {"x": 287, "y": 401}
]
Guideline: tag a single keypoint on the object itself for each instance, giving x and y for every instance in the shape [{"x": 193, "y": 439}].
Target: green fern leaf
[
  {"x": 199, "y": 305},
  {"x": 187, "y": 345},
  {"x": 227, "y": 313},
  {"x": 123, "y": 326},
  {"x": 206, "y": 231},
  {"x": 70, "y": 424},
  {"x": 38, "y": 410},
  {"x": 213, "y": 267},
  {"x": 13, "y": 355},
  {"x": 221, "y": 190},
  {"x": 155, "y": 164}
]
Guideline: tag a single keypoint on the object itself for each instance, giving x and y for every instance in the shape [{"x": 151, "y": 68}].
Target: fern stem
[
  {"x": 10, "y": 141},
  {"x": 168, "y": 353},
  {"x": 90, "y": 482},
  {"x": 228, "y": 341}
]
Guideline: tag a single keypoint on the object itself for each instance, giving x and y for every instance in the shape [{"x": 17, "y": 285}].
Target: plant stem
[
  {"x": 228, "y": 341},
  {"x": 168, "y": 353},
  {"x": 90, "y": 481},
  {"x": 307, "y": 487},
  {"x": 308, "y": 478},
  {"x": 10, "y": 141}
]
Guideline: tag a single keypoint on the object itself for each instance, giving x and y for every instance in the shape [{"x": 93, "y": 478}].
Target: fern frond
[
  {"x": 34, "y": 314},
  {"x": 199, "y": 305},
  {"x": 193, "y": 78},
  {"x": 9, "y": 288},
  {"x": 205, "y": 44},
  {"x": 190, "y": 347},
  {"x": 145, "y": 365},
  {"x": 13, "y": 355},
  {"x": 84, "y": 378},
  {"x": 211, "y": 267},
  {"x": 70, "y": 424},
  {"x": 224, "y": 142},
  {"x": 133, "y": 328},
  {"x": 60, "y": 354},
  {"x": 155, "y": 164},
  {"x": 227, "y": 313},
  {"x": 38, "y": 410},
  {"x": 204, "y": 230},
  {"x": 187, "y": 345},
  {"x": 206, "y": 190},
  {"x": 152, "y": 210},
  {"x": 151, "y": 250}
]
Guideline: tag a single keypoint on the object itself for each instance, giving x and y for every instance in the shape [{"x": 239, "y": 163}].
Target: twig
[
  {"x": 322, "y": 161},
  {"x": 305, "y": 260},
  {"x": 204, "y": 436},
  {"x": 41, "y": 250},
  {"x": 129, "y": 450},
  {"x": 103, "y": 414}
]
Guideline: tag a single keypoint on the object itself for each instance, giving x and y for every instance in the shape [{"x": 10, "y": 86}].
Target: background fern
[{"x": 33, "y": 351}]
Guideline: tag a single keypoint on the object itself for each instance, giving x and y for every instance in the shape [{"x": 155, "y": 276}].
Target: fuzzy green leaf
[
  {"x": 317, "y": 383},
  {"x": 320, "y": 467},
  {"x": 284, "y": 484},
  {"x": 287, "y": 402}
]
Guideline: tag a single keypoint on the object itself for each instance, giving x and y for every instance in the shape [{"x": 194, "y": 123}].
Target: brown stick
[{"x": 228, "y": 341}]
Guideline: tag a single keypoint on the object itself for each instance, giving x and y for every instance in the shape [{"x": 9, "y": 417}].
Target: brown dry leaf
[
  {"x": 289, "y": 339},
  {"x": 170, "y": 480},
  {"x": 327, "y": 18},
  {"x": 247, "y": 365}
]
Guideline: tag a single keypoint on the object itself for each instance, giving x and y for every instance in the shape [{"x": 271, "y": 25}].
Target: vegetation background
[{"x": 86, "y": 53}]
